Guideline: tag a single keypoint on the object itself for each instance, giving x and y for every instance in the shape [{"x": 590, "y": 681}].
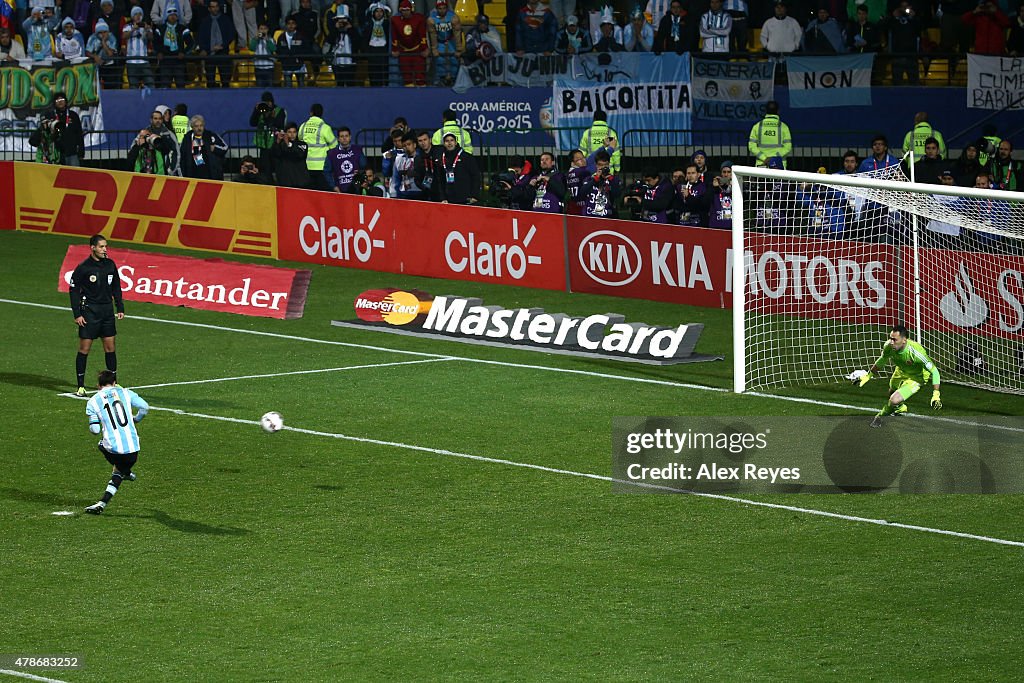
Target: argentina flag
[{"x": 840, "y": 81}]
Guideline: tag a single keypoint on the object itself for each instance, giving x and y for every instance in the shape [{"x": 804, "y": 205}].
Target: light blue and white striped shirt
[{"x": 110, "y": 411}]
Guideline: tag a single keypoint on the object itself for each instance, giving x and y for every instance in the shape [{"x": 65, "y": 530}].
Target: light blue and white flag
[{"x": 841, "y": 81}]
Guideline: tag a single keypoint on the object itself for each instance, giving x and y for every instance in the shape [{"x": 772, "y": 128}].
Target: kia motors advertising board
[{"x": 210, "y": 284}]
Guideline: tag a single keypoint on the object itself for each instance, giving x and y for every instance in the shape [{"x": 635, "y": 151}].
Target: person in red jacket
[
  {"x": 409, "y": 44},
  {"x": 990, "y": 26}
]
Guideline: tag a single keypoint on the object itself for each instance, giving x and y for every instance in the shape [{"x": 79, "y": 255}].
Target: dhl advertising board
[{"x": 146, "y": 209}]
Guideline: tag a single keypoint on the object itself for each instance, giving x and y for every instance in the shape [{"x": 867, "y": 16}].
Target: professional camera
[
  {"x": 632, "y": 197},
  {"x": 263, "y": 107},
  {"x": 501, "y": 186}
]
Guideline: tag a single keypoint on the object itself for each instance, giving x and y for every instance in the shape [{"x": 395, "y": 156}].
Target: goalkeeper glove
[
  {"x": 936, "y": 400},
  {"x": 859, "y": 377}
]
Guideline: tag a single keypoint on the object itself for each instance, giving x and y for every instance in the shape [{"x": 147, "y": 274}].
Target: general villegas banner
[
  {"x": 26, "y": 93},
  {"x": 637, "y": 90}
]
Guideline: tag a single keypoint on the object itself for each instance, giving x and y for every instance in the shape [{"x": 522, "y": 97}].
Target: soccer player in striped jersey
[
  {"x": 110, "y": 413},
  {"x": 913, "y": 369}
]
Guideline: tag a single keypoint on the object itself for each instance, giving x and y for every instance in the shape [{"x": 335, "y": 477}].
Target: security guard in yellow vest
[
  {"x": 449, "y": 124},
  {"x": 770, "y": 137},
  {"x": 922, "y": 131},
  {"x": 179, "y": 122},
  {"x": 596, "y": 137},
  {"x": 319, "y": 139}
]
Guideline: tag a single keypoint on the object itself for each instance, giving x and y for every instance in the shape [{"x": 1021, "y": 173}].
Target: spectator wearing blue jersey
[{"x": 113, "y": 412}]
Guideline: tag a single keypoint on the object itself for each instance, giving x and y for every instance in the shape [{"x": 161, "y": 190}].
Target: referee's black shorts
[
  {"x": 124, "y": 462},
  {"x": 97, "y": 324}
]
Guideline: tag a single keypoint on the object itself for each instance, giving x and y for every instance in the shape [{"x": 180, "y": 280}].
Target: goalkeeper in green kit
[{"x": 913, "y": 369}]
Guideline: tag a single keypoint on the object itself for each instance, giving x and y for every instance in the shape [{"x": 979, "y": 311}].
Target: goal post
[{"x": 823, "y": 265}]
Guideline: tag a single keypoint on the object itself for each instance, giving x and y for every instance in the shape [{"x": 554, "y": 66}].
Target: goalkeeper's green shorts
[{"x": 903, "y": 384}]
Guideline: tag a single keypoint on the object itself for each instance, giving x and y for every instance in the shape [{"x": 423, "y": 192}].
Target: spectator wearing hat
[
  {"x": 770, "y": 137},
  {"x": 215, "y": 35},
  {"x": 715, "y": 29},
  {"x": 536, "y": 29},
  {"x": 781, "y": 33},
  {"x": 458, "y": 176},
  {"x": 158, "y": 13},
  {"x": 173, "y": 41},
  {"x": 990, "y": 26},
  {"x": 136, "y": 47},
  {"x": 608, "y": 38},
  {"x": 101, "y": 48},
  {"x": 409, "y": 44},
  {"x": 482, "y": 42},
  {"x": 109, "y": 15},
  {"x": 69, "y": 44},
  {"x": 700, "y": 160},
  {"x": 824, "y": 35},
  {"x": 444, "y": 34},
  {"x": 340, "y": 47},
  {"x": 572, "y": 40},
  {"x": 638, "y": 36},
  {"x": 720, "y": 213},
  {"x": 37, "y": 36},
  {"x": 377, "y": 42}
]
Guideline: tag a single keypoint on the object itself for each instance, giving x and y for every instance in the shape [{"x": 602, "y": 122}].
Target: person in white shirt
[{"x": 781, "y": 34}]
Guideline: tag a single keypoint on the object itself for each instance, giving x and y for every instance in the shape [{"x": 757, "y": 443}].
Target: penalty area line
[
  {"x": 612, "y": 480},
  {"x": 30, "y": 677}
]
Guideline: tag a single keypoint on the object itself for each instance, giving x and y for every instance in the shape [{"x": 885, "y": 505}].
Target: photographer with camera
[
  {"x": 155, "y": 149},
  {"x": 289, "y": 154},
  {"x": 366, "y": 184},
  {"x": 268, "y": 119},
  {"x": 263, "y": 47},
  {"x": 651, "y": 200},
  {"x": 249, "y": 172},
  {"x": 521, "y": 171},
  {"x": 59, "y": 138},
  {"x": 574, "y": 178},
  {"x": 720, "y": 215},
  {"x": 545, "y": 191},
  {"x": 344, "y": 162},
  {"x": 600, "y": 189}
]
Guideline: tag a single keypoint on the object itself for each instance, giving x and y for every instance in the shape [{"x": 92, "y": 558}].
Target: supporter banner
[
  {"x": 732, "y": 91},
  {"x": 643, "y": 91},
  {"x": 524, "y": 71},
  {"x": 26, "y": 92},
  {"x": 420, "y": 238},
  {"x": 209, "y": 284},
  {"x": 841, "y": 81},
  {"x": 995, "y": 82},
  {"x": 191, "y": 214}
]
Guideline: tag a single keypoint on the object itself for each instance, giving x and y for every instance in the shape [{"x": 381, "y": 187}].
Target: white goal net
[{"x": 823, "y": 265}]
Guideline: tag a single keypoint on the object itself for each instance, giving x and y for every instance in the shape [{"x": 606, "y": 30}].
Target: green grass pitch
[{"x": 326, "y": 555}]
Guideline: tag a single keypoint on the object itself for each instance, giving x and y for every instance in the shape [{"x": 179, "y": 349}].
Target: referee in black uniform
[{"x": 95, "y": 293}]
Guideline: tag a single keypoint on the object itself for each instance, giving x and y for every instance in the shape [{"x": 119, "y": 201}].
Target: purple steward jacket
[{"x": 342, "y": 165}]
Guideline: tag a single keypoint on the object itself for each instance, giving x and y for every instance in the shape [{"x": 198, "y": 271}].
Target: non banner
[
  {"x": 995, "y": 82},
  {"x": 643, "y": 92},
  {"x": 148, "y": 209},
  {"x": 732, "y": 91},
  {"x": 209, "y": 284},
  {"x": 26, "y": 93},
  {"x": 840, "y": 81}
]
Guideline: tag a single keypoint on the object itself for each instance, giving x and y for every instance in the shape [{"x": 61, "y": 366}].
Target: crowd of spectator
[{"x": 145, "y": 41}]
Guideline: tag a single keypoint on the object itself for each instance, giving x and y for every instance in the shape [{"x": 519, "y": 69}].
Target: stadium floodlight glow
[{"x": 822, "y": 265}]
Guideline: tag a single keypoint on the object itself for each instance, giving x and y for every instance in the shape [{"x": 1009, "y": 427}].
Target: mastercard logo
[{"x": 392, "y": 306}]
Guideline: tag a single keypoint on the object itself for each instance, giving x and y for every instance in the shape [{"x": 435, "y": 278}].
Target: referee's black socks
[
  {"x": 111, "y": 357},
  {"x": 80, "y": 360}
]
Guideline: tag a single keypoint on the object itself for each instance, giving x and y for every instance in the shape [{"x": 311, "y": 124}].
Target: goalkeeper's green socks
[{"x": 889, "y": 409}]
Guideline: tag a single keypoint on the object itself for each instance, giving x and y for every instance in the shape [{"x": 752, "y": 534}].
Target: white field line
[
  {"x": 601, "y": 477},
  {"x": 31, "y": 677},
  {"x": 524, "y": 366},
  {"x": 284, "y": 374}
]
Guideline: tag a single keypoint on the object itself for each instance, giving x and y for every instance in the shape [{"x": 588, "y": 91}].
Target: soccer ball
[{"x": 272, "y": 422}]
